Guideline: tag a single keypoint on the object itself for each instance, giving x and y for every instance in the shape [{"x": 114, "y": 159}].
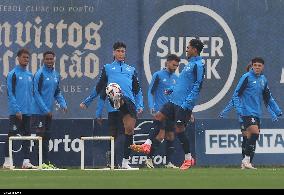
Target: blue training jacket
[
  {"x": 102, "y": 100},
  {"x": 122, "y": 74},
  {"x": 189, "y": 83},
  {"x": 20, "y": 91},
  {"x": 161, "y": 81},
  {"x": 230, "y": 106},
  {"x": 46, "y": 90},
  {"x": 251, "y": 90}
]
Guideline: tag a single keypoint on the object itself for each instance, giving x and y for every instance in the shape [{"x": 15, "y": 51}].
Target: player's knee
[
  {"x": 159, "y": 116},
  {"x": 161, "y": 135},
  {"x": 129, "y": 129},
  {"x": 129, "y": 132},
  {"x": 170, "y": 136},
  {"x": 180, "y": 128}
]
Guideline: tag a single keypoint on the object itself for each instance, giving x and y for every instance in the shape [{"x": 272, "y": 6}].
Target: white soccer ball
[{"x": 113, "y": 90}]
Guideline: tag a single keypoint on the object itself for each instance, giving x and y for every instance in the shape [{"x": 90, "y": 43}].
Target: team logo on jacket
[
  {"x": 187, "y": 68},
  {"x": 128, "y": 68},
  {"x": 219, "y": 54}
]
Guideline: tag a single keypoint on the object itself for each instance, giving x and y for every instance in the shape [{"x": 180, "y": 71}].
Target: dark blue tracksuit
[
  {"x": 251, "y": 90},
  {"x": 46, "y": 91},
  {"x": 20, "y": 100},
  {"x": 126, "y": 77}
]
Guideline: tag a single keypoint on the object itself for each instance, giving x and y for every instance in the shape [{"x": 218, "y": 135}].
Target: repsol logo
[
  {"x": 139, "y": 160},
  {"x": 171, "y": 34}
]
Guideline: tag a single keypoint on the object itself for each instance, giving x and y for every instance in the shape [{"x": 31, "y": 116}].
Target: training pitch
[{"x": 196, "y": 177}]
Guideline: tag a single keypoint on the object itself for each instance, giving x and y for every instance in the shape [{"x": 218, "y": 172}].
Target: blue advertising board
[{"x": 82, "y": 33}]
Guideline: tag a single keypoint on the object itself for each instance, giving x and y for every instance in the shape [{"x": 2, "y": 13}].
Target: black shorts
[
  {"x": 176, "y": 114},
  {"x": 251, "y": 120},
  {"x": 128, "y": 108},
  {"x": 115, "y": 123},
  {"x": 22, "y": 127},
  {"x": 40, "y": 123}
]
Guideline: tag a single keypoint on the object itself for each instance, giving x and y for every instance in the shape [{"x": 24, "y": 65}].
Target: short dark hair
[
  {"x": 172, "y": 57},
  {"x": 118, "y": 45},
  {"x": 48, "y": 52},
  {"x": 197, "y": 44},
  {"x": 257, "y": 59},
  {"x": 23, "y": 51}
]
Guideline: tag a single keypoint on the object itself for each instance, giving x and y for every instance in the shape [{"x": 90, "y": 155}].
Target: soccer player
[
  {"x": 230, "y": 106},
  {"x": 115, "y": 117},
  {"x": 247, "y": 98},
  {"x": 126, "y": 77},
  {"x": 20, "y": 100},
  {"x": 182, "y": 100},
  {"x": 161, "y": 81},
  {"x": 46, "y": 92}
]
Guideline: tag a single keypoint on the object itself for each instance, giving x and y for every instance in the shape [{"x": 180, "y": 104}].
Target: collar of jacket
[
  {"x": 195, "y": 58},
  {"x": 255, "y": 75},
  {"x": 167, "y": 70},
  {"x": 20, "y": 68},
  {"x": 118, "y": 62}
]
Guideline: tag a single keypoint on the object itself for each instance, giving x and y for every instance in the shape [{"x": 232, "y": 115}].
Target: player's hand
[
  {"x": 83, "y": 106},
  {"x": 19, "y": 116},
  {"x": 99, "y": 121}
]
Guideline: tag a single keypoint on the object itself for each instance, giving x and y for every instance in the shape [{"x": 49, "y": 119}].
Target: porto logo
[{"x": 172, "y": 33}]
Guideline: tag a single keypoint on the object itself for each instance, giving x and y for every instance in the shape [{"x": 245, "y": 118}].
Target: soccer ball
[{"x": 113, "y": 90}]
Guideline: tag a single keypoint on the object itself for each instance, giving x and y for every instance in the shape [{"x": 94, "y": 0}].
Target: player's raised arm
[{"x": 97, "y": 89}]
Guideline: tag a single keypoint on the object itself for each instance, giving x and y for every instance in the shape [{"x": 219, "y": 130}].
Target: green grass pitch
[{"x": 196, "y": 177}]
